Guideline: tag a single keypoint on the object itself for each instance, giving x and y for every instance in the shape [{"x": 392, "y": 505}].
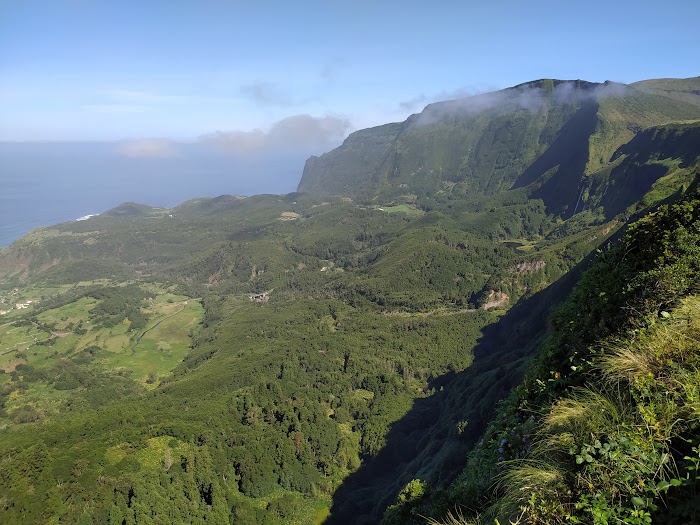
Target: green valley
[{"x": 358, "y": 350}]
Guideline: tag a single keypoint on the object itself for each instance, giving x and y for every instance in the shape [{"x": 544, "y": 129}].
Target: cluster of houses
[
  {"x": 259, "y": 297},
  {"x": 18, "y": 306}
]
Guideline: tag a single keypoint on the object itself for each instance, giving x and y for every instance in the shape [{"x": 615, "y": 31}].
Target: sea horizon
[{"x": 44, "y": 184}]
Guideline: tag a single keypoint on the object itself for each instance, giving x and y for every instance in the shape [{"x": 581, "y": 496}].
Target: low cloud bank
[
  {"x": 298, "y": 133},
  {"x": 235, "y": 162},
  {"x": 529, "y": 97}
]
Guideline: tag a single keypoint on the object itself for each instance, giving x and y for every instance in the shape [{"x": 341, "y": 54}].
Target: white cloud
[
  {"x": 413, "y": 103},
  {"x": 266, "y": 94},
  {"x": 420, "y": 100},
  {"x": 529, "y": 96},
  {"x": 302, "y": 133}
]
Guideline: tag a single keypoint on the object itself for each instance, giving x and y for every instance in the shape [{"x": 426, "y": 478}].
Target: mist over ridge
[{"x": 490, "y": 142}]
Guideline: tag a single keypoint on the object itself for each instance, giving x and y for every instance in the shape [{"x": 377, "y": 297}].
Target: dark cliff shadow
[
  {"x": 424, "y": 443},
  {"x": 556, "y": 175}
]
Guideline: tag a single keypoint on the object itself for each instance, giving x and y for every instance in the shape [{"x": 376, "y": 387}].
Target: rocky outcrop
[
  {"x": 528, "y": 267},
  {"x": 495, "y": 300}
]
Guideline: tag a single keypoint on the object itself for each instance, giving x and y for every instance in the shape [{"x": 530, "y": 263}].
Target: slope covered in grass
[{"x": 685, "y": 89}]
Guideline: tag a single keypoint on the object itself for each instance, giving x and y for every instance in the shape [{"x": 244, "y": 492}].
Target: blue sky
[{"x": 98, "y": 70}]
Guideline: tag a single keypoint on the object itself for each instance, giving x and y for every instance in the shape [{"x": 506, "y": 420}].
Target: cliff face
[
  {"x": 547, "y": 134},
  {"x": 352, "y": 166}
]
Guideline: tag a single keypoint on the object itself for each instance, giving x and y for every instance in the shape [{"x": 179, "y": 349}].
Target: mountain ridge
[
  {"x": 482, "y": 144},
  {"x": 685, "y": 89}
]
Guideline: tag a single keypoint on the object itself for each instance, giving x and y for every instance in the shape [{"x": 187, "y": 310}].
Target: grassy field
[
  {"x": 46, "y": 340},
  {"x": 523, "y": 245},
  {"x": 162, "y": 347},
  {"x": 409, "y": 210}
]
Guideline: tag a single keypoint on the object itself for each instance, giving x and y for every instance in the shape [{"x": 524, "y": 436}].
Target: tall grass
[{"x": 606, "y": 451}]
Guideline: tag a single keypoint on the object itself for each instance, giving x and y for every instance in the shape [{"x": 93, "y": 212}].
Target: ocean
[{"x": 42, "y": 184}]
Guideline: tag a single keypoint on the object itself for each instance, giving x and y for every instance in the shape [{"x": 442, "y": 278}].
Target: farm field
[{"x": 52, "y": 356}]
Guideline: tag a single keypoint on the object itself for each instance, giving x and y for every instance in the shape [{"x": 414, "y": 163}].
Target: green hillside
[
  {"x": 548, "y": 132},
  {"x": 303, "y": 358},
  {"x": 684, "y": 89}
]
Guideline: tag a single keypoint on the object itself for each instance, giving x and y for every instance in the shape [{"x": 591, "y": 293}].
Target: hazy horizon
[
  {"x": 48, "y": 183},
  {"x": 224, "y": 97}
]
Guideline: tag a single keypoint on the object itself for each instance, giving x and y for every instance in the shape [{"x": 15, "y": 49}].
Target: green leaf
[
  {"x": 663, "y": 485},
  {"x": 637, "y": 501}
]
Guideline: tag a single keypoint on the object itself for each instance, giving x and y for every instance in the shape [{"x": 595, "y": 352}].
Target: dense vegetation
[
  {"x": 605, "y": 427},
  {"x": 310, "y": 357}
]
